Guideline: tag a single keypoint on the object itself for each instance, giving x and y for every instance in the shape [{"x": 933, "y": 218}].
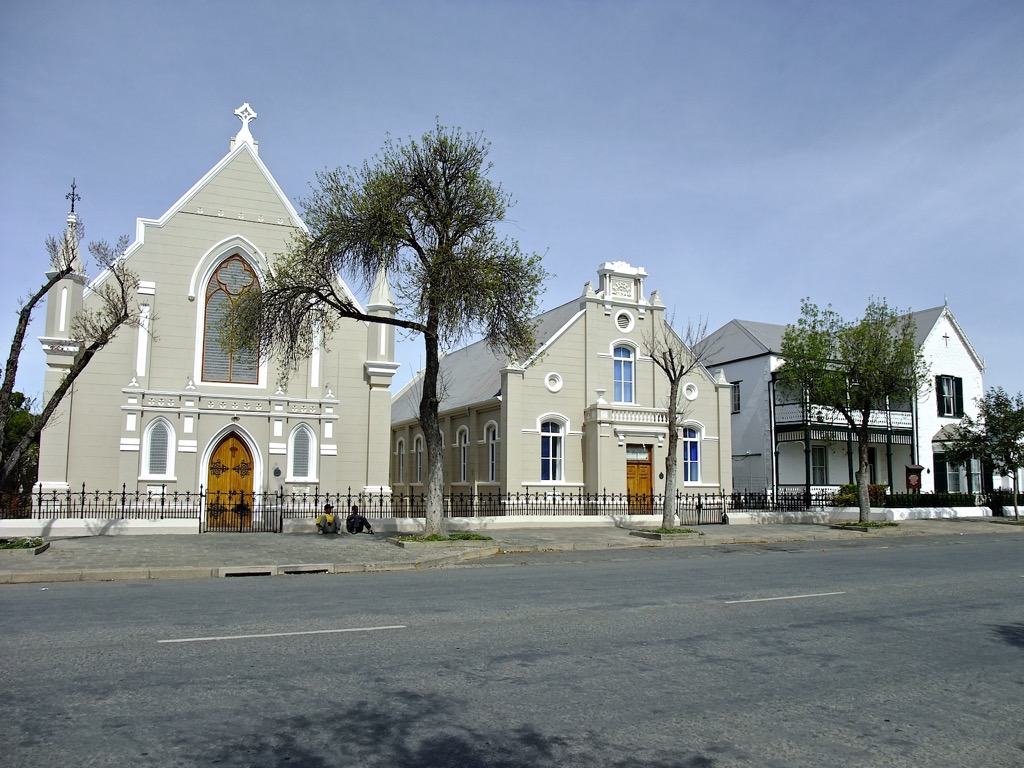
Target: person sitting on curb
[
  {"x": 355, "y": 522},
  {"x": 328, "y": 521}
]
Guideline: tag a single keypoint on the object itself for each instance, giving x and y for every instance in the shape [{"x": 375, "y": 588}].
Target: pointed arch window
[
  {"x": 301, "y": 462},
  {"x": 158, "y": 451},
  {"x": 417, "y": 447},
  {"x": 462, "y": 439},
  {"x": 223, "y": 360},
  {"x": 492, "y": 453},
  {"x": 400, "y": 462}
]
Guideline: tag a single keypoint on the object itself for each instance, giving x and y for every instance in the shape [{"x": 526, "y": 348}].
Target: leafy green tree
[
  {"x": 20, "y": 419},
  {"x": 995, "y": 436},
  {"x": 855, "y": 367},
  {"x": 425, "y": 214}
]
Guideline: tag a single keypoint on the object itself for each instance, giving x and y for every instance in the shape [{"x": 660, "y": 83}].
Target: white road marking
[
  {"x": 788, "y": 597},
  {"x": 280, "y": 634}
]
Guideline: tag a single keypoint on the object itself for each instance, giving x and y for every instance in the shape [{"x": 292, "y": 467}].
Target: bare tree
[
  {"x": 110, "y": 306},
  {"x": 677, "y": 356},
  {"x": 425, "y": 214}
]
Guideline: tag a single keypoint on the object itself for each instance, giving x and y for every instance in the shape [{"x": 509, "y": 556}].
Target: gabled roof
[
  {"x": 743, "y": 339},
  {"x": 927, "y": 319},
  {"x": 472, "y": 374},
  {"x": 240, "y": 149}
]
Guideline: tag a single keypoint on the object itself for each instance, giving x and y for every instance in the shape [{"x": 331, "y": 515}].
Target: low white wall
[
  {"x": 822, "y": 516},
  {"x": 417, "y": 525},
  {"x": 93, "y": 527},
  {"x": 826, "y": 515}
]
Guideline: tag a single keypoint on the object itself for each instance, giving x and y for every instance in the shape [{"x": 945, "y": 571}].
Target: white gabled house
[{"x": 780, "y": 443}]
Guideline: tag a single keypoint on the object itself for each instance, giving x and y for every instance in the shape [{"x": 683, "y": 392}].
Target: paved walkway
[{"x": 113, "y": 558}]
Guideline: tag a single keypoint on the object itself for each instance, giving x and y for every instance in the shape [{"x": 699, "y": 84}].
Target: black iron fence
[
  {"x": 268, "y": 511},
  {"x": 244, "y": 511},
  {"x": 782, "y": 500}
]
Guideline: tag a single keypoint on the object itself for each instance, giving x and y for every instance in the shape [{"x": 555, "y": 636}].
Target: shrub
[{"x": 847, "y": 495}]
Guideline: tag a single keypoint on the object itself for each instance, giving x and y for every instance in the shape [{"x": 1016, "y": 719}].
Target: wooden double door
[
  {"x": 640, "y": 479},
  {"x": 229, "y": 495}
]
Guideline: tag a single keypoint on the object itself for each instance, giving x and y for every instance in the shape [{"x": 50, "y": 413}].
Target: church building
[{"x": 170, "y": 407}]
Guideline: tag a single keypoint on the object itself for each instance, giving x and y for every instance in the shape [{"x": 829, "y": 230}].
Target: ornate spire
[
  {"x": 72, "y": 233},
  {"x": 72, "y": 195}
]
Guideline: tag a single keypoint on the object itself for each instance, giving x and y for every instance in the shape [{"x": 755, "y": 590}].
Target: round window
[
  {"x": 690, "y": 391},
  {"x": 553, "y": 382},
  {"x": 624, "y": 321}
]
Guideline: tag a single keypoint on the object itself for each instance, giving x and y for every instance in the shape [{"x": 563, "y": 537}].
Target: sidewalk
[{"x": 116, "y": 558}]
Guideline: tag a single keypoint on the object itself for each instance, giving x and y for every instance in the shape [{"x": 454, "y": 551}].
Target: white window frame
[
  {"x": 462, "y": 445},
  {"x": 624, "y": 374},
  {"x": 686, "y": 465},
  {"x": 553, "y": 442},
  {"x": 201, "y": 318},
  {"x": 311, "y": 475},
  {"x": 819, "y": 452},
  {"x": 400, "y": 461},
  {"x": 417, "y": 449},
  {"x": 491, "y": 438},
  {"x": 168, "y": 474}
]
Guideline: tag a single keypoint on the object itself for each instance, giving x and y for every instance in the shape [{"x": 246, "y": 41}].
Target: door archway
[{"x": 229, "y": 495}]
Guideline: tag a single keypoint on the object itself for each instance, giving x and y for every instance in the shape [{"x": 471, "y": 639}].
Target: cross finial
[
  {"x": 72, "y": 195},
  {"x": 246, "y": 114}
]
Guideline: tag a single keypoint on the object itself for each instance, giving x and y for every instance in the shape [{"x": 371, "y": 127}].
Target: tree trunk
[
  {"x": 1016, "y": 490},
  {"x": 668, "y": 513},
  {"x": 431, "y": 427},
  {"x": 11, "y": 370},
  {"x": 863, "y": 476}
]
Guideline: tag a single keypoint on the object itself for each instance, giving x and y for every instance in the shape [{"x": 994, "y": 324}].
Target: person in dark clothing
[{"x": 355, "y": 522}]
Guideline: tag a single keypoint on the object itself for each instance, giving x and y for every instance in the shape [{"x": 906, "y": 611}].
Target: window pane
[
  {"x": 221, "y": 361},
  {"x": 158, "y": 444},
  {"x": 623, "y": 375},
  {"x": 300, "y": 454}
]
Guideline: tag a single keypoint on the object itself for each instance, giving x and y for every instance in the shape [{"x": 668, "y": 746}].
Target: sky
[{"x": 746, "y": 154}]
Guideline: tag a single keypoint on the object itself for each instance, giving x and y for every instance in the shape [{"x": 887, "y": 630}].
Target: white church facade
[{"x": 170, "y": 407}]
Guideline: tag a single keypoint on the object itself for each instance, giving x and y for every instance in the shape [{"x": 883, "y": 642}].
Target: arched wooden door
[{"x": 229, "y": 497}]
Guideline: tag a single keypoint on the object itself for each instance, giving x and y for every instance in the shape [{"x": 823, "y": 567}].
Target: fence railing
[
  {"x": 225, "y": 509},
  {"x": 231, "y": 510},
  {"x": 781, "y": 500}
]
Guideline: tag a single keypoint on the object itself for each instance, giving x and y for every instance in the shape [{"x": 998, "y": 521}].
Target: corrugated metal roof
[{"x": 472, "y": 374}]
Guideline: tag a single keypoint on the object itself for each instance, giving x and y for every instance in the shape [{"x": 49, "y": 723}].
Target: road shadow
[
  {"x": 1010, "y": 633},
  {"x": 419, "y": 731}
]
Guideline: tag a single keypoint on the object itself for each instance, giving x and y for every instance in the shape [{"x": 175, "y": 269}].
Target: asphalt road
[{"x": 894, "y": 654}]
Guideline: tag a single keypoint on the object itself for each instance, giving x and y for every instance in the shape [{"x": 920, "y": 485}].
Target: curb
[{"x": 236, "y": 571}]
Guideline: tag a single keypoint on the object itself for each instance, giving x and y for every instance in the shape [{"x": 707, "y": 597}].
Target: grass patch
[
  {"x": 29, "y": 543},
  {"x": 672, "y": 530},
  {"x": 448, "y": 537},
  {"x": 870, "y": 524}
]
